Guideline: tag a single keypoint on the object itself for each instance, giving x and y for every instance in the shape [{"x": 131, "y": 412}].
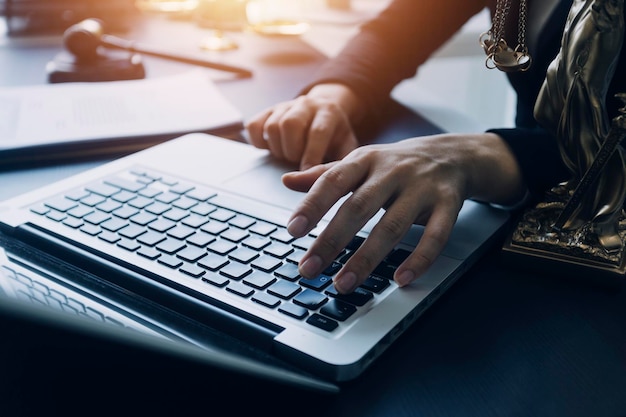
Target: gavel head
[{"x": 83, "y": 39}]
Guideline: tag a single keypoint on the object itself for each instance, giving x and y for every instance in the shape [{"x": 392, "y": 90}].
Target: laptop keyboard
[
  {"x": 38, "y": 290},
  {"x": 210, "y": 237}
]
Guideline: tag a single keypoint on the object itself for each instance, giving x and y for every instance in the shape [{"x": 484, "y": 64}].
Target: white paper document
[{"x": 69, "y": 113}]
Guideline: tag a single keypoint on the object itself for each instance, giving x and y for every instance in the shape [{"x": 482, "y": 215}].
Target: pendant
[
  {"x": 512, "y": 60},
  {"x": 500, "y": 55}
]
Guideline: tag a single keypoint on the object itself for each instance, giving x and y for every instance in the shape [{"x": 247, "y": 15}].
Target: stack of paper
[{"x": 74, "y": 120}]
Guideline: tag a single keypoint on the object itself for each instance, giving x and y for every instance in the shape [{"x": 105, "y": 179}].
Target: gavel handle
[{"x": 114, "y": 42}]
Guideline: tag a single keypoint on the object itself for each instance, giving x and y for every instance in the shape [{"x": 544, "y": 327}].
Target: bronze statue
[{"x": 581, "y": 217}]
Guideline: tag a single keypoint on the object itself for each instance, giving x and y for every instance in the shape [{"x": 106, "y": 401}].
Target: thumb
[{"x": 303, "y": 180}]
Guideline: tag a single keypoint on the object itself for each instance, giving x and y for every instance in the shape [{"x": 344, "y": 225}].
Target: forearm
[{"x": 392, "y": 46}]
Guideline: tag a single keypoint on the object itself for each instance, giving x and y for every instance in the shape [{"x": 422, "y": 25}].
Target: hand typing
[{"x": 421, "y": 180}]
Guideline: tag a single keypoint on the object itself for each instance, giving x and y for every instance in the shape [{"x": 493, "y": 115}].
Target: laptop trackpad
[{"x": 263, "y": 183}]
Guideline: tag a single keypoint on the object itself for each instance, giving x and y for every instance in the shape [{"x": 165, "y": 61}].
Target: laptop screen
[{"x": 61, "y": 325}]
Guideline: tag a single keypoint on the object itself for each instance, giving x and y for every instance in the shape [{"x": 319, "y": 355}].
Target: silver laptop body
[{"x": 325, "y": 334}]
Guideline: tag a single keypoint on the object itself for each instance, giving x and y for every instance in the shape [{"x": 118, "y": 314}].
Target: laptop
[
  {"x": 55, "y": 318},
  {"x": 195, "y": 228}
]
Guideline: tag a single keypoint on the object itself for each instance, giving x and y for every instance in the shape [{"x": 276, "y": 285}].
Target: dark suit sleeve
[
  {"x": 537, "y": 154},
  {"x": 391, "y": 47}
]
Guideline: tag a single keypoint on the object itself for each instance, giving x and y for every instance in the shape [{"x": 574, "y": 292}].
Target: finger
[
  {"x": 303, "y": 180},
  {"x": 331, "y": 186},
  {"x": 294, "y": 125},
  {"x": 385, "y": 235},
  {"x": 321, "y": 132},
  {"x": 255, "y": 128},
  {"x": 430, "y": 246},
  {"x": 272, "y": 132},
  {"x": 351, "y": 216}
]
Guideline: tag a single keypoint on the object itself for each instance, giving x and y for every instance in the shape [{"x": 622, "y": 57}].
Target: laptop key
[
  {"x": 80, "y": 211},
  {"x": 150, "y": 238},
  {"x": 332, "y": 269},
  {"x": 171, "y": 246},
  {"x": 385, "y": 270},
  {"x": 212, "y": 262},
  {"x": 181, "y": 232},
  {"x": 192, "y": 270},
  {"x": 148, "y": 252},
  {"x": 57, "y": 216},
  {"x": 241, "y": 221},
  {"x": 355, "y": 243},
  {"x": 304, "y": 242},
  {"x": 191, "y": 254},
  {"x": 102, "y": 189},
  {"x": 284, "y": 289},
  {"x": 40, "y": 209},
  {"x": 132, "y": 231},
  {"x": 288, "y": 271},
  {"x": 143, "y": 219},
  {"x": 73, "y": 222},
  {"x": 397, "y": 256},
  {"x": 259, "y": 280},
  {"x": 279, "y": 250},
  {"x": 262, "y": 228},
  {"x": 322, "y": 322},
  {"x": 222, "y": 215},
  {"x": 93, "y": 200},
  {"x": 90, "y": 229},
  {"x": 310, "y": 299},
  {"x": 129, "y": 245},
  {"x": 338, "y": 309},
  {"x": 96, "y": 217},
  {"x": 266, "y": 299},
  {"x": 215, "y": 279},
  {"x": 109, "y": 237},
  {"x": 293, "y": 310},
  {"x": 239, "y": 289},
  {"x": 169, "y": 260},
  {"x": 318, "y": 283},
  {"x": 125, "y": 212},
  {"x": 375, "y": 284},
  {"x": 266, "y": 263},
  {"x": 201, "y": 194},
  {"x": 243, "y": 255},
  {"x": 124, "y": 184},
  {"x": 200, "y": 239},
  {"x": 222, "y": 247},
  {"x": 149, "y": 192},
  {"x": 236, "y": 270},
  {"x": 358, "y": 297}
]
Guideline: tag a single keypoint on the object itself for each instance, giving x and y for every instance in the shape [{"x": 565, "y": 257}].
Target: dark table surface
[{"x": 502, "y": 342}]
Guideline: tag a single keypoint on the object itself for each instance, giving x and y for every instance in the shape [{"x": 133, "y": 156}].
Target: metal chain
[
  {"x": 521, "y": 28},
  {"x": 502, "y": 10},
  {"x": 499, "y": 54}
]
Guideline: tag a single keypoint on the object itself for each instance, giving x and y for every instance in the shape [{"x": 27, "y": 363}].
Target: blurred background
[{"x": 454, "y": 89}]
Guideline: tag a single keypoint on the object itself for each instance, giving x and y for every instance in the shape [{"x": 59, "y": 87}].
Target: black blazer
[{"x": 391, "y": 47}]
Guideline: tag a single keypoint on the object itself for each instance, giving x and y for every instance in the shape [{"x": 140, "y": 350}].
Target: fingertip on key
[
  {"x": 298, "y": 226},
  {"x": 405, "y": 278}
]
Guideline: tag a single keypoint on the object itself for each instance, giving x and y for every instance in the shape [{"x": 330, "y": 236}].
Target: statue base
[{"x": 534, "y": 245}]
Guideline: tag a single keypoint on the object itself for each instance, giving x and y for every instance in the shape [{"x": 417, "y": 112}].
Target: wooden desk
[{"x": 500, "y": 343}]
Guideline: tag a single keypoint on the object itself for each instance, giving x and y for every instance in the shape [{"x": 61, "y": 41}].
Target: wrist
[
  {"x": 343, "y": 96},
  {"x": 498, "y": 175}
]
